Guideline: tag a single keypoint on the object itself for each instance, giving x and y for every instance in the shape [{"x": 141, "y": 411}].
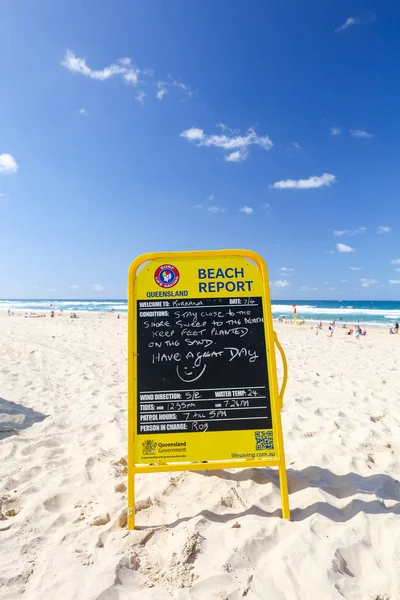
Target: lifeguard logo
[{"x": 166, "y": 276}]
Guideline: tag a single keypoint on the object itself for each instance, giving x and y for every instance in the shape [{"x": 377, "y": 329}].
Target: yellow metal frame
[{"x": 276, "y": 396}]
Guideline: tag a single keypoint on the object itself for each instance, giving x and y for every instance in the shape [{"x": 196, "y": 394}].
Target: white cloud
[
  {"x": 247, "y": 210},
  {"x": 236, "y": 156},
  {"x": 140, "y": 96},
  {"x": 350, "y": 21},
  {"x": 193, "y": 134},
  {"x": 286, "y": 270},
  {"x": 360, "y": 133},
  {"x": 367, "y": 282},
  {"x": 83, "y": 111},
  {"x": 350, "y": 231},
  {"x": 281, "y": 283},
  {"x": 396, "y": 261},
  {"x": 182, "y": 86},
  {"x": 97, "y": 287},
  {"x": 355, "y": 268},
  {"x": 384, "y": 229},
  {"x": 343, "y": 280},
  {"x": 8, "y": 164},
  {"x": 332, "y": 289},
  {"x": 162, "y": 90},
  {"x": 127, "y": 71},
  {"x": 74, "y": 287},
  {"x": 394, "y": 281},
  {"x": 297, "y": 146},
  {"x": 236, "y": 144},
  {"x": 210, "y": 197},
  {"x": 344, "y": 248},
  {"x": 163, "y": 87},
  {"x": 132, "y": 77},
  {"x": 212, "y": 209},
  {"x": 306, "y": 288},
  {"x": 335, "y": 131},
  {"x": 304, "y": 184},
  {"x": 124, "y": 68}
]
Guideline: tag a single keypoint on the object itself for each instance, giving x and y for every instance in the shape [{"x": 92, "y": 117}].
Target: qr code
[{"x": 264, "y": 440}]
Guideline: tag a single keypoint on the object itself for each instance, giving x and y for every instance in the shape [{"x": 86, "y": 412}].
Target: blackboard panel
[{"x": 201, "y": 366}]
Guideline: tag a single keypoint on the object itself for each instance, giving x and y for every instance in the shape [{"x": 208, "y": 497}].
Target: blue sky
[{"x": 129, "y": 127}]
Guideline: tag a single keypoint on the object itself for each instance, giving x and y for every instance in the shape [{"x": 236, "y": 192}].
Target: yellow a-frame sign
[{"x": 202, "y": 379}]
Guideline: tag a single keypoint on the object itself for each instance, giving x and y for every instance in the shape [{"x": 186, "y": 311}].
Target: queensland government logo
[
  {"x": 149, "y": 447},
  {"x": 166, "y": 276}
]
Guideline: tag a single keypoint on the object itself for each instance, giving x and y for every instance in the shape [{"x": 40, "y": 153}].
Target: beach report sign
[{"x": 202, "y": 380}]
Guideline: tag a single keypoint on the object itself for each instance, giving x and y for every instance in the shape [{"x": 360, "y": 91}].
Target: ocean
[{"x": 377, "y": 312}]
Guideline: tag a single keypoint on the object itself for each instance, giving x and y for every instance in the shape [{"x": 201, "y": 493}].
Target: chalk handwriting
[
  {"x": 217, "y": 343},
  {"x": 192, "y": 395},
  {"x": 240, "y": 331},
  {"x": 188, "y": 375},
  {"x": 242, "y": 353}
]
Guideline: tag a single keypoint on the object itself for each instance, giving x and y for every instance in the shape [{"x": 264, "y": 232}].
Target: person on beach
[{"x": 395, "y": 328}]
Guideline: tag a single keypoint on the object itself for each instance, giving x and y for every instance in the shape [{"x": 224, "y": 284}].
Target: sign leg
[
  {"x": 131, "y": 502},
  {"x": 284, "y": 491}
]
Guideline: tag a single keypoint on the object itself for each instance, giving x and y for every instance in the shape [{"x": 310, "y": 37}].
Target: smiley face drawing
[{"x": 189, "y": 372}]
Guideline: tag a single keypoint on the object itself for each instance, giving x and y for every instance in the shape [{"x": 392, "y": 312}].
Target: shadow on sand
[
  {"x": 15, "y": 417},
  {"x": 382, "y": 487}
]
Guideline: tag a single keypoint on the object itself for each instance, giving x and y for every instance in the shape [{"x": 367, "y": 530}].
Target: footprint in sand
[
  {"x": 60, "y": 503},
  {"x": 31, "y": 448},
  {"x": 59, "y": 522},
  {"x": 27, "y": 475}
]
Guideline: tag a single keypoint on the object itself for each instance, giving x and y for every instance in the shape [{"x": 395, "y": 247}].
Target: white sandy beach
[{"x": 63, "y": 387}]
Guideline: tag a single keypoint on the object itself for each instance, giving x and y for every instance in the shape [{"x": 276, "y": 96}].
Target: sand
[{"x": 201, "y": 535}]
